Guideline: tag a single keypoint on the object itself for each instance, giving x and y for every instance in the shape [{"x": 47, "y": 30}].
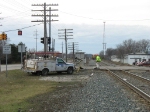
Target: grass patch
[{"x": 18, "y": 87}]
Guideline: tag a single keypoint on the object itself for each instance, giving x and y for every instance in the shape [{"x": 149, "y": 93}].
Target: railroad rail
[
  {"x": 139, "y": 91},
  {"x": 143, "y": 91}
]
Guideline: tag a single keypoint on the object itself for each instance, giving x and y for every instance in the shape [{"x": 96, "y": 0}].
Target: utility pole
[
  {"x": 72, "y": 47},
  {"x": 44, "y": 15},
  {"x": 36, "y": 39},
  {"x": 104, "y": 44},
  {"x": 62, "y": 49},
  {"x": 53, "y": 45},
  {"x": 50, "y": 20},
  {"x": 65, "y": 34}
]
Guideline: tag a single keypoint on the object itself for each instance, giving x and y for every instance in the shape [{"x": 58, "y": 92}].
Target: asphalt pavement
[
  {"x": 91, "y": 65},
  {"x": 10, "y": 67}
]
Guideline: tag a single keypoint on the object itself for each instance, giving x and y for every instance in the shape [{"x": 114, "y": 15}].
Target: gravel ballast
[
  {"x": 96, "y": 91},
  {"x": 102, "y": 93}
]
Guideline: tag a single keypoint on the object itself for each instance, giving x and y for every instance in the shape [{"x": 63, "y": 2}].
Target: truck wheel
[
  {"x": 45, "y": 71},
  {"x": 70, "y": 70}
]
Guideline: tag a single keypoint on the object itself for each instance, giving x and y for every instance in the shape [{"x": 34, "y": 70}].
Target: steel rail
[
  {"x": 137, "y": 76},
  {"x": 137, "y": 90}
]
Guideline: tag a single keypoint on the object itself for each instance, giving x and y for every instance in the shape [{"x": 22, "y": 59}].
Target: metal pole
[
  {"x": 66, "y": 44},
  {"x": 21, "y": 56},
  {"x": 36, "y": 40},
  {"x": 6, "y": 65},
  {"x": 50, "y": 28},
  {"x": 73, "y": 52},
  {"x": 62, "y": 49},
  {"x": 104, "y": 40},
  {"x": 0, "y": 64},
  {"x": 45, "y": 40}
]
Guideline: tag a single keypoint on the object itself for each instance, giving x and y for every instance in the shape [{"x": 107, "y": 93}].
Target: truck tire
[
  {"x": 45, "y": 71},
  {"x": 70, "y": 70}
]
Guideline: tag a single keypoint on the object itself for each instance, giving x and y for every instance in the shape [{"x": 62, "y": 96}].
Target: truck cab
[{"x": 62, "y": 66}]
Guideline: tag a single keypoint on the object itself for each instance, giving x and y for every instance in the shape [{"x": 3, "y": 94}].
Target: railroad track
[
  {"x": 138, "y": 84},
  {"x": 105, "y": 63}
]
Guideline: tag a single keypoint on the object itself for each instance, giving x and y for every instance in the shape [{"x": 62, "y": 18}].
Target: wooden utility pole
[
  {"x": 36, "y": 38},
  {"x": 65, "y": 34},
  {"x": 44, "y": 15},
  {"x": 62, "y": 49},
  {"x": 73, "y": 48}
]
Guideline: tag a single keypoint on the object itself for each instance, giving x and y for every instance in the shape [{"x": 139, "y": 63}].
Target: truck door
[{"x": 60, "y": 65}]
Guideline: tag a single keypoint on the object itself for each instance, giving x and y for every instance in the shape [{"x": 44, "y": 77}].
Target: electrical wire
[
  {"x": 22, "y": 28},
  {"x": 102, "y": 19}
]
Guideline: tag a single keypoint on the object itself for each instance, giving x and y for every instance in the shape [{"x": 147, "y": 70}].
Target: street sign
[
  {"x": 7, "y": 49},
  {"x": 21, "y": 47}
]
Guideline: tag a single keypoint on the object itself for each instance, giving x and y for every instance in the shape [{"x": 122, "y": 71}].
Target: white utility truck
[{"x": 36, "y": 66}]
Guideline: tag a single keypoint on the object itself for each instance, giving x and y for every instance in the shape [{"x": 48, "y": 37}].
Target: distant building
[
  {"x": 88, "y": 56},
  {"x": 137, "y": 57},
  {"x": 132, "y": 57},
  {"x": 114, "y": 58}
]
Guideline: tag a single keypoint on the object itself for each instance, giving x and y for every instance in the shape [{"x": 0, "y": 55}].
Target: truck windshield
[{"x": 60, "y": 61}]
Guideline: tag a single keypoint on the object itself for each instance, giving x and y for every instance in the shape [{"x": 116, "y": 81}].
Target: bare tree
[
  {"x": 129, "y": 46},
  {"x": 120, "y": 51},
  {"x": 141, "y": 45},
  {"x": 101, "y": 54},
  {"x": 110, "y": 52}
]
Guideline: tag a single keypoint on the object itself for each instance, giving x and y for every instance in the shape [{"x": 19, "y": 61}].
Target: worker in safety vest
[{"x": 98, "y": 60}]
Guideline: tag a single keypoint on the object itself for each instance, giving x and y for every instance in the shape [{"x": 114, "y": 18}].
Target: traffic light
[
  {"x": 3, "y": 36},
  {"x": 49, "y": 40},
  {"x": 19, "y": 32},
  {"x": 42, "y": 40}
]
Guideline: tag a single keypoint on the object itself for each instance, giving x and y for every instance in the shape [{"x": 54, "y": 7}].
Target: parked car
[{"x": 145, "y": 63}]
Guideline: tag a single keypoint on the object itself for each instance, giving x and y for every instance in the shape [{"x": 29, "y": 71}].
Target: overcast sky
[{"x": 124, "y": 19}]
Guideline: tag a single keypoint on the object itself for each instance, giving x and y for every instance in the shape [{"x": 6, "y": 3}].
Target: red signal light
[{"x": 19, "y": 32}]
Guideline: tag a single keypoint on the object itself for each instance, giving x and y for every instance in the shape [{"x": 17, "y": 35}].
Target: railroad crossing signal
[{"x": 3, "y": 36}]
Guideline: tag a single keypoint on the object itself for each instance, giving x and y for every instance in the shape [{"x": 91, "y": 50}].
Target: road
[
  {"x": 91, "y": 65},
  {"x": 10, "y": 67}
]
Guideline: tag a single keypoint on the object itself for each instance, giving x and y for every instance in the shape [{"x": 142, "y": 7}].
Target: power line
[
  {"x": 22, "y": 28},
  {"x": 104, "y": 19},
  {"x": 79, "y": 16}
]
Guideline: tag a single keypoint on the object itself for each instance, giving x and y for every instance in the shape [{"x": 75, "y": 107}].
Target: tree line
[
  {"x": 127, "y": 47},
  {"x": 14, "y": 57}
]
